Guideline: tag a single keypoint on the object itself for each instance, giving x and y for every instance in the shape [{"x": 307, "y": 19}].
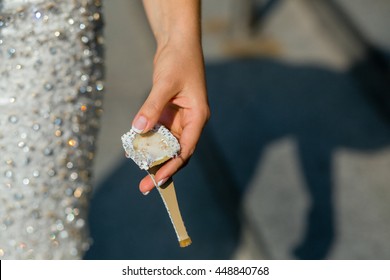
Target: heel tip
[{"x": 186, "y": 242}]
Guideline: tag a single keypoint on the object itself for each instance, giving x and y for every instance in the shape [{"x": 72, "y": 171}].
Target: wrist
[
  {"x": 174, "y": 21},
  {"x": 178, "y": 33},
  {"x": 180, "y": 41}
]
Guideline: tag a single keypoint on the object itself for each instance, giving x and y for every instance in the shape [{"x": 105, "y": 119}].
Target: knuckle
[{"x": 152, "y": 107}]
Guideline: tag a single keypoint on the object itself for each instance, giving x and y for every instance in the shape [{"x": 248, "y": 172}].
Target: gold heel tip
[{"x": 186, "y": 242}]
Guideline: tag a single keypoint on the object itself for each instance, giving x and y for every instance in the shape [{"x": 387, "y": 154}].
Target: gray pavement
[{"x": 293, "y": 164}]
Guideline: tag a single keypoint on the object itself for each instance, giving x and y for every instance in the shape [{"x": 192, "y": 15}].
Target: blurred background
[{"x": 294, "y": 163}]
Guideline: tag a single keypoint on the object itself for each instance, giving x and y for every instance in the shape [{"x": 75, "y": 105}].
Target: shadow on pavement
[{"x": 254, "y": 102}]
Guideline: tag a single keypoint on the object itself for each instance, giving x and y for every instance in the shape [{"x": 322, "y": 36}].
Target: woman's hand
[{"x": 178, "y": 97}]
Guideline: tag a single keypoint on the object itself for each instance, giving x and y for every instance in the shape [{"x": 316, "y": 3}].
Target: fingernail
[
  {"x": 162, "y": 182},
  {"x": 146, "y": 193},
  {"x": 139, "y": 124}
]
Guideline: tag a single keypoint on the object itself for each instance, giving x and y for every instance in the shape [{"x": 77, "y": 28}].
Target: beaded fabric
[{"x": 51, "y": 90}]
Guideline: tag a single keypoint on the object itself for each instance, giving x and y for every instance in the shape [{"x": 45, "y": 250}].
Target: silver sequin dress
[{"x": 50, "y": 100}]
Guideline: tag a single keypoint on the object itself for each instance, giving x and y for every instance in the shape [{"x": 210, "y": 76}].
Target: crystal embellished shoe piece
[
  {"x": 149, "y": 151},
  {"x": 151, "y": 148}
]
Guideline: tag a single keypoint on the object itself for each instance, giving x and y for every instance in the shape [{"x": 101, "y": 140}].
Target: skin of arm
[{"x": 178, "y": 98}]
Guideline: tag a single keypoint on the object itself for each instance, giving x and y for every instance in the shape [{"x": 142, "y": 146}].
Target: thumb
[{"x": 151, "y": 110}]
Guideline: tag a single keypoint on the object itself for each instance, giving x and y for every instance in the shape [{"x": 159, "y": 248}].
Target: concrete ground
[{"x": 293, "y": 164}]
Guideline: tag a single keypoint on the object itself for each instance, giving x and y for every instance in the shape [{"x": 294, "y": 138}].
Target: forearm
[
  {"x": 174, "y": 20},
  {"x": 178, "y": 98}
]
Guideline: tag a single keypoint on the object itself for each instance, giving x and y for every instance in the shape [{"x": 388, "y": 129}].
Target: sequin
[
  {"x": 57, "y": 33},
  {"x": 36, "y": 214},
  {"x": 8, "y": 174},
  {"x": 30, "y": 229},
  {"x": 51, "y": 172},
  {"x": 38, "y": 64},
  {"x": 21, "y": 246},
  {"x": 78, "y": 192},
  {"x": 48, "y": 151},
  {"x": 53, "y": 50},
  {"x": 69, "y": 192},
  {"x": 58, "y": 121},
  {"x": 64, "y": 234},
  {"x": 59, "y": 225},
  {"x": 48, "y": 86},
  {"x": 13, "y": 119},
  {"x": 72, "y": 142},
  {"x": 70, "y": 217},
  {"x": 21, "y": 144},
  {"x": 80, "y": 223},
  {"x": 38, "y": 14},
  {"x": 74, "y": 176},
  {"x": 99, "y": 86},
  {"x": 8, "y": 221},
  {"x": 84, "y": 39},
  {"x": 18, "y": 196},
  {"x": 11, "y": 52},
  {"x": 74, "y": 251},
  {"x": 51, "y": 83},
  {"x": 36, "y": 126}
]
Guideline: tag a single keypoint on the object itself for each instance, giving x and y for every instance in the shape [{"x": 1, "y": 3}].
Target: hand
[{"x": 177, "y": 100}]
